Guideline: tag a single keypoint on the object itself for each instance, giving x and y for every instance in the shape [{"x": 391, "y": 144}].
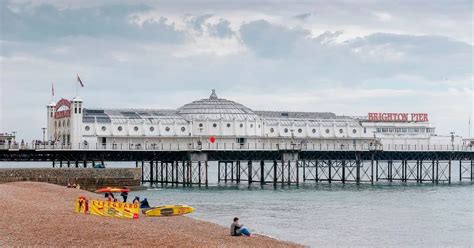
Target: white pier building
[{"x": 218, "y": 123}]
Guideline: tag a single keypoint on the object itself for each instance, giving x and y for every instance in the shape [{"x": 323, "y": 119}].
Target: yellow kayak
[{"x": 169, "y": 210}]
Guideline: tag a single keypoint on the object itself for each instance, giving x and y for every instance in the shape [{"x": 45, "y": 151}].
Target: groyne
[{"x": 87, "y": 178}]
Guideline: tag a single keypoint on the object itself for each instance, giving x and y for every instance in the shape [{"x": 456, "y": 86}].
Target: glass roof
[{"x": 214, "y": 108}]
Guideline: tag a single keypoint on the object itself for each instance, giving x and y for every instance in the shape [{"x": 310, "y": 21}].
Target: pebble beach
[{"x": 42, "y": 214}]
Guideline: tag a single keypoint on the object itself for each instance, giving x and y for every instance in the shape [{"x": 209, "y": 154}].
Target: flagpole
[{"x": 77, "y": 75}]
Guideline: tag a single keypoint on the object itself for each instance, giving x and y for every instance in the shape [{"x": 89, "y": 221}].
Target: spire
[{"x": 213, "y": 95}]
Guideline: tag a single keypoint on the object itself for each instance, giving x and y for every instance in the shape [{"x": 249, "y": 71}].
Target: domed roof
[{"x": 214, "y": 108}]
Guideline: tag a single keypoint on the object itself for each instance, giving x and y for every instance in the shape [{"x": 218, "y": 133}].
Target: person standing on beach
[{"x": 124, "y": 195}]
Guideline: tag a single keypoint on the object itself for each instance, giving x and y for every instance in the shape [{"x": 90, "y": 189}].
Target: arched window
[
  {"x": 87, "y": 128},
  {"x": 327, "y": 130},
  {"x": 300, "y": 130},
  {"x": 167, "y": 129},
  {"x": 214, "y": 125},
  {"x": 228, "y": 124},
  {"x": 354, "y": 131},
  {"x": 135, "y": 128},
  {"x": 120, "y": 128},
  {"x": 183, "y": 129},
  {"x": 152, "y": 129},
  {"x": 285, "y": 130},
  {"x": 241, "y": 125},
  {"x": 104, "y": 128},
  {"x": 341, "y": 131},
  {"x": 314, "y": 130},
  {"x": 200, "y": 125},
  {"x": 272, "y": 130}
]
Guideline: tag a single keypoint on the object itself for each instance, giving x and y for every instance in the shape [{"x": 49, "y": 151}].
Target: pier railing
[{"x": 239, "y": 147}]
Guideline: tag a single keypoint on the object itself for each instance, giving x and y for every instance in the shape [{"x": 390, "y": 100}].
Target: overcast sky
[{"x": 347, "y": 57}]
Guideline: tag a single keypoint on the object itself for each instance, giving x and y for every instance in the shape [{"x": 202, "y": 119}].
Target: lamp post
[
  {"x": 14, "y": 136},
  {"x": 452, "y": 139},
  {"x": 44, "y": 133}
]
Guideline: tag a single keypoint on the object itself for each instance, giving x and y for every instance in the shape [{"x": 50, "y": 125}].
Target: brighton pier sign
[{"x": 398, "y": 117}]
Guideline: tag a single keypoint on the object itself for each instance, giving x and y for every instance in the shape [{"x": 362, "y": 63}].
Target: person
[
  {"x": 136, "y": 200},
  {"x": 237, "y": 229},
  {"x": 144, "y": 204},
  {"x": 78, "y": 186},
  {"x": 124, "y": 195}
]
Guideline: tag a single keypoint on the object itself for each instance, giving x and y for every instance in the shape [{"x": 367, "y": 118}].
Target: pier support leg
[
  {"x": 275, "y": 173},
  {"x": 249, "y": 167},
  {"x": 151, "y": 172},
  {"x": 262, "y": 172},
  {"x": 343, "y": 162}
]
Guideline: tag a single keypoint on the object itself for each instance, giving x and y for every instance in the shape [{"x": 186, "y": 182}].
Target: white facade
[{"x": 230, "y": 124}]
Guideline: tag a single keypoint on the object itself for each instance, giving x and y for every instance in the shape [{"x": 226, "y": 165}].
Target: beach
[{"x": 41, "y": 214}]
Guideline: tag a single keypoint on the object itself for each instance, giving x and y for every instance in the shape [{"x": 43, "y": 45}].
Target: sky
[{"x": 341, "y": 56}]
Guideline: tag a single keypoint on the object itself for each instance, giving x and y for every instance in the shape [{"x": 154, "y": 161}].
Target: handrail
[{"x": 238, "y": 147}]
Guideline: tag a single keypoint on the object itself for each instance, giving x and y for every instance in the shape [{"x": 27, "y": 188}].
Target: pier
[{"x": 268, "y": 165}]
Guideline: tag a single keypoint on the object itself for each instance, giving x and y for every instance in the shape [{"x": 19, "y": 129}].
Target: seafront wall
[{"x": 88, "y": 178}]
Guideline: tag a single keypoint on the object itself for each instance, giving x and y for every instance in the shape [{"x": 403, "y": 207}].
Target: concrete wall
[{"x": 88, "y": 178}]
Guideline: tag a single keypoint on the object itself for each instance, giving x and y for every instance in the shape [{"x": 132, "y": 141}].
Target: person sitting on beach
[
  {"x": 144, "y": 204},
  {"x": 237, "y": 229}
]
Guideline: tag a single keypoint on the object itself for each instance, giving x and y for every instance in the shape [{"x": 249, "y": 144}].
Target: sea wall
[{"x": 87, "y": 178}]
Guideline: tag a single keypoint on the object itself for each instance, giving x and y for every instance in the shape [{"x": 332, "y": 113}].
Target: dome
[{"x": 214, "y": 108}]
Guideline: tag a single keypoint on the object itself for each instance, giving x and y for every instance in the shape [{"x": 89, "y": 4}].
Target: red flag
[
  {"x": 52, "y": 89},
  {"x": 80, "y": 81}
]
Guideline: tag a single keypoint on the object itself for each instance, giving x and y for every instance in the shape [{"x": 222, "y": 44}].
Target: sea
[{"x": 329, "y": 215}]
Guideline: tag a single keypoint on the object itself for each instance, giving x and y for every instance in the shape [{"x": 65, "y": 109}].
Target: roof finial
[{"x": 213, "y": 94}]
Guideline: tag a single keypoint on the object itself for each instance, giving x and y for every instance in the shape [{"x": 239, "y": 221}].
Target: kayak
[{"x": 169, "y": 210}]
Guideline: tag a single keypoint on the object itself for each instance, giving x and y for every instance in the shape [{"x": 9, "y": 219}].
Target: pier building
[{"x": 214, "y": 121}]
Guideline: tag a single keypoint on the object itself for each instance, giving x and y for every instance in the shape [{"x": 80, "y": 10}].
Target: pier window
[
  {"x": 75, "y": 110},
  {"x": 68, "y": 122},
  {"x": 251, "y": 125},
  {"x": 300, "y": 130},
  {"x": 341, "y": 131},
  {"x": 103, "y": 128},
  {"x": 314, "y": 130},
  {"x": 272, "y": 130},
  {"x": 152, "y": 129},
  {"x": 241, "y": 125},
  {"x": 119, "y": 128},
  {"x": 285, "y": 130},
  {"x": 214, "y": 125},
  {"x": 200, "y": 124},
  {"x": 167, "y": 129},
  {"x": 228, "y": 124},
  {"x": 354, "y": 131},
  {"x": 327, "y": 130},
  {"x": 135, "y": 128},
  {"x": 87, "y": 128},
  {"x": 183, "y": 129}
]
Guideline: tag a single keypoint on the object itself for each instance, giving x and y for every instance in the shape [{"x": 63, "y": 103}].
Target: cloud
[
  {"x": 221, "y": 29},
  {"x": 46, "y": 23},
  {"x": 163, "y": 55},
  {"x": 268, "y": 40},
  {"x": 302, "y": 17}
]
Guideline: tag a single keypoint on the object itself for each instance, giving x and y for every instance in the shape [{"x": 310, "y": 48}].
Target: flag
[
  {"x": 80, "y": 81},
  {"x": 52, "y": 89}
]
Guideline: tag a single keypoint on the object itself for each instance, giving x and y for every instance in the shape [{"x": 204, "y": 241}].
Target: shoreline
[{"x": 43, "y": 214}]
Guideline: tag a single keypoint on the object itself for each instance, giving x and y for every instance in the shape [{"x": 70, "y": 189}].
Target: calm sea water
[{"x": 332, "y": 215}]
